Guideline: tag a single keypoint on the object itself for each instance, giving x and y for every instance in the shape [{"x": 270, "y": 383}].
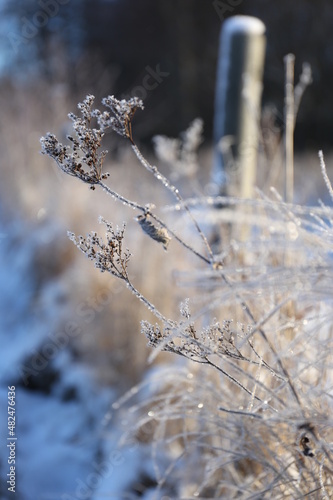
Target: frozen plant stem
[
  {"x": 148, "y": 212},
  {"x": 246, "y": 308},
  {"x": 289, "y": 127},
  {"x": 148, "y": 304},
  {"x": 166, "y": 183},
  {"x": 110, "y": 257},
  {"x": 248, "y": 312},
  {"x": 84, "y": 161}
]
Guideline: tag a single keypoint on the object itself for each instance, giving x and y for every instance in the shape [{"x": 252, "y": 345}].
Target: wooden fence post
[{"x": 237, "y": 103}]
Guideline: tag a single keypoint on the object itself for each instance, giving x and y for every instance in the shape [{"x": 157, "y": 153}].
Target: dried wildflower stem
[
  {"x": 207, "y": 361},
  {"x": 256, "y": 381},
  {"x": 146, "y": 211},
  {"x": 250, "y": 377},
  {"x": 166, "y": 183},
  {"x": 110, "y": 257},
  {"x": 176, "y": 237},
  {"x": 246, "y": 308},
  {"x": 263, "y": 362},
  {"x": 248, "y": 312},
  {"x": 195, "y": 350},
  {"x": 118, "y": 197},
  {"x": 242, "y": 413},
  {"x": 290, "y": 126},
  {"x": 84, "y": 161},
  {"x": 121, "y": 122}
]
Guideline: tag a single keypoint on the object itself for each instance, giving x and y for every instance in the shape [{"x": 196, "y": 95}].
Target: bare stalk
[{"x": 289, "y": 113}]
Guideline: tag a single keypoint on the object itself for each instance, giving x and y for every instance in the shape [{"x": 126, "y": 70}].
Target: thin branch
[{"x": 167, "y": 184}]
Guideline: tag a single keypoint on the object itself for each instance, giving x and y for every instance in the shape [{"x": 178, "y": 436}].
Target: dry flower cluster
[{"x": 248, "y": 413}]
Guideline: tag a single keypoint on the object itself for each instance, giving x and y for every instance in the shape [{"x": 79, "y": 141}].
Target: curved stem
[
  {"x": 166, "y": 183},
  {"x": 144, "y": 210}
]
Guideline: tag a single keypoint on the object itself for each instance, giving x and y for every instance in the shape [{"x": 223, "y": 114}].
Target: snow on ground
[{"x": 63, "y": 450}]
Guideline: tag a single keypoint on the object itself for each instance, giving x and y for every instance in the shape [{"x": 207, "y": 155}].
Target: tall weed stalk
[{"x": 246, "y": 411}]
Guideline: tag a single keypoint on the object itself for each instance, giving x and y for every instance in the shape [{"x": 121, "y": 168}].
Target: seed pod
[{"x": 159, "y": 234}]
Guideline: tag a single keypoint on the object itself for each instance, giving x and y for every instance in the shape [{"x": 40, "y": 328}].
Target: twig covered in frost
[
  {"x": 84, "y": 160},
  {"x": 167, "y": 184},
  {"x": 258, "y": 404},
  {"x": 324, "y": 174},
  {"x": 110, "y": 257}
]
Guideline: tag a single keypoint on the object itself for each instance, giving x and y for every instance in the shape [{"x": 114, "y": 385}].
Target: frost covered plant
[
  {"x": 252, "y": 413},
  {"x": 83, "y": 160},
  {"x": 85, "y": 154},
  {"x": 248, "y": 412},
  {"x": 108, "y": 256}
]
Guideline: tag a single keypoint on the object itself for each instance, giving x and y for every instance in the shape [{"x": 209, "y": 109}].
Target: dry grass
[{"x": 250, "y": 415}]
